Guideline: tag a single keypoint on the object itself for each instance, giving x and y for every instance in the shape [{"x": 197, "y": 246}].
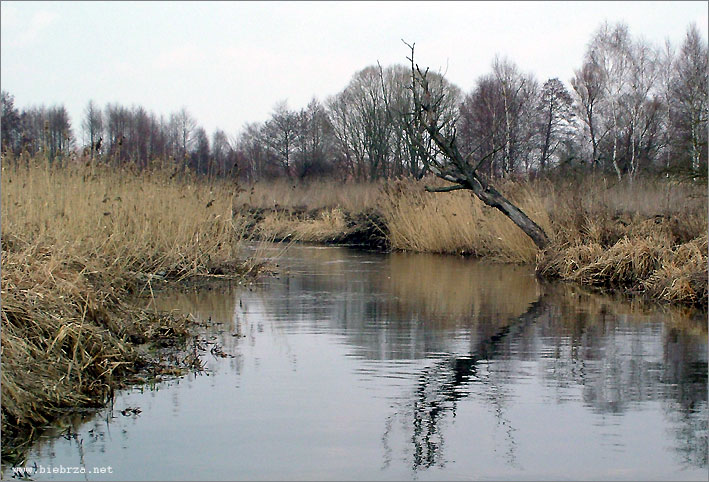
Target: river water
[{"x": 353, "y": 365}]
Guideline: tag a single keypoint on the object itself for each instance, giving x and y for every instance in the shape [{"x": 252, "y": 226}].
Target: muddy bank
[{"x": 364, "y": 230}]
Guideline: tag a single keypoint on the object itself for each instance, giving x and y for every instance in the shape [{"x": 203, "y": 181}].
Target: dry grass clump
[
  {"x": 326, "y": 226},
  {"x": 647, "y": 237},
  {"x": 459, "y": 223},
  {"x": 76, "y": 242},
  {"x": 682, "y": 274},
  {"x": 144, "y": 223},
  {"x": 651, "y": 265}
]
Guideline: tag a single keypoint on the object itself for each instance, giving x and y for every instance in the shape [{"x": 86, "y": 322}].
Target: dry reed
[
  {"x": 459, "y": 223},
  {"x": 648, "y": 236},
  {"x": 77, "y": 242}
]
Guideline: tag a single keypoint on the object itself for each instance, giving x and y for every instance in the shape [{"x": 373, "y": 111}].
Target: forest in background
[{"x": 630, "y": 108}]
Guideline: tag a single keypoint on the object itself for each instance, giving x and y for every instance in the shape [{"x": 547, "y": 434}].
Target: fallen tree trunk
[
  {"x": 492, "y": 197},
  {"x": 449, "y": 164}
]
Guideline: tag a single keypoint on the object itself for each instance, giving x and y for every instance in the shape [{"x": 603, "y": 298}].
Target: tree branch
[{"x": 445, "y": 189}]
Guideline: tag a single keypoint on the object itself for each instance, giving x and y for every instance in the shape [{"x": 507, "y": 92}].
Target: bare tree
[
  {"x": 610, "y": 51},
  {"x": 588, "y": 86},
  {"x": 350, "y": 149},
  {"x": 640, "y": 102},
  {"x": 10, "y": 124},
  {"x": 363, "y": 125},
  {"x": 690, "y": 96},
  {"x": 555, "y": 117},
  {"x": 480, "y": 124},
  {"x": 667, "y": 62},
  {"x": 518, "y": 97},
  {"x": 252, "y": 153},
  {"x": 185, "y": 129},
  {"x": 314, "y": 140},
  {"x": 449, "y": 164},
  {"x": 61, "y": 139},
  {"x": 405, "y": 152},
  {"x": 138, "y": 144},
  {"x": 220, "y": 153},
  {"x": 117, "y": 124},
  {"x": 199, "y": 157},
  {"x": 279, "y": 135},
  {"x": 92, "y": 126}
]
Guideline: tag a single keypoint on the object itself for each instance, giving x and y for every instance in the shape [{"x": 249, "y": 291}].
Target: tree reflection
[
  {"x": 620, "y": 362},
  {"x": 441, "y": 385}
]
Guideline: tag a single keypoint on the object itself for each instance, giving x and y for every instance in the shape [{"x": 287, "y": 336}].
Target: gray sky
[{"x": 229, "y": 63}]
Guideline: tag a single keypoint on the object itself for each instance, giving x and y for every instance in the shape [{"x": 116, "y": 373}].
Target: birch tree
[{"x": 690, "y": 96}]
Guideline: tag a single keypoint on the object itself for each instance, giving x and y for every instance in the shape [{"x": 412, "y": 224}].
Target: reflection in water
[
  {"x": 442, "y": 384},
  {"x": 366, "y": 366}
]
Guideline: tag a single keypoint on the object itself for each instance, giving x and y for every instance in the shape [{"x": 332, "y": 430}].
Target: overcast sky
[{"x": 229, "y": 63}]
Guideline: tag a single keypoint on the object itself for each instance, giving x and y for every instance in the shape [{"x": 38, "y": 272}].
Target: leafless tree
[
  {"x": 690, "y": 96},
  {"x": 363, "y": 124},
  {"x": 314, "y": 141},
  {"x": 252, "y": 153},
  {"x": 588, "y": 87},
  {"x": 620, "y": 99},
  {"x": 279, "y": 136},
  {"x": 519, "y": 94},
  {"x": 185, "y": 126},
  {"x": 610, "y": 51},
  {"x": 92, "y": 126},
  {"x": 221, "y": 151},
  {"x": 61, "y": 140},
  {"x": 349, "y": 149},
  {"x": 449, "y": 164},
  {"x": 10, "y": 124},
  {"x": 479, "y": 126},
  {"x": 200, "y": 155},
  {"x": 405, "y": 153},
  {"x": 117, "y": 122},
  {"x": 666, "y": 68},
  {"x": 642, "y": 102},
  {"x": 555, "y": 118}
]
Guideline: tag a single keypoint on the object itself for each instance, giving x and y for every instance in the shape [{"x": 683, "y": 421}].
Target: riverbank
[
  {"x": 648, "y": 238},
  {"x": 81, "y": 243},
  {"x": 80, "y": 246}
]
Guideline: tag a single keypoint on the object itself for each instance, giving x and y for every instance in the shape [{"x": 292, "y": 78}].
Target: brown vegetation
[
  {"x": 77, "y": 244},
  {"x": 647, "y": 237}
]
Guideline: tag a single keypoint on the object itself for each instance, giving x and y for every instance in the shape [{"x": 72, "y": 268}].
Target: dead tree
[{"x": 448, "y": 163}]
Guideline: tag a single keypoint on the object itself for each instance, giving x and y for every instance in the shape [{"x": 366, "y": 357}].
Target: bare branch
[
  {"x": 445, "y": 189},
  {"x": 457, "y": 169}
]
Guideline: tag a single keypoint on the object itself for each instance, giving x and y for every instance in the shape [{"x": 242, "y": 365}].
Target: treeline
[{"x": 631, "y": 107}]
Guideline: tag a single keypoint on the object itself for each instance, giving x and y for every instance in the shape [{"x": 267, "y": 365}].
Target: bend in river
[{"x": 354, "y": 365}]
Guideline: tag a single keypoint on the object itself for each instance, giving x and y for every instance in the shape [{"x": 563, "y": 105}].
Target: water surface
[{"x": 352, "y": 365}]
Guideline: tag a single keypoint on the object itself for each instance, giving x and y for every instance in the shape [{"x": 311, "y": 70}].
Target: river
[{"x": 354, "y": 365}]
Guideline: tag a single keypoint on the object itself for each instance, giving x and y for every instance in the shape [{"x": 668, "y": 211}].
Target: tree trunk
[
  {"x": 456, "y": 168},
  {"x": 615, "y": 146},
  {"x": 485, "y": 192},
  {"x": 547, "y": 138},
  {"x": 492, "y": 197}
]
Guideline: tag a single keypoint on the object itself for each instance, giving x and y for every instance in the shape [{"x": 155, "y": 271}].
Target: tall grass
[
  {"x": 459, "y": 223},
  {"x": 648, "y": 236},
  {"x": 136, "y": 223},
  {"x": 325, "y": 194},
  {"x": 77, "y": 242}
]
